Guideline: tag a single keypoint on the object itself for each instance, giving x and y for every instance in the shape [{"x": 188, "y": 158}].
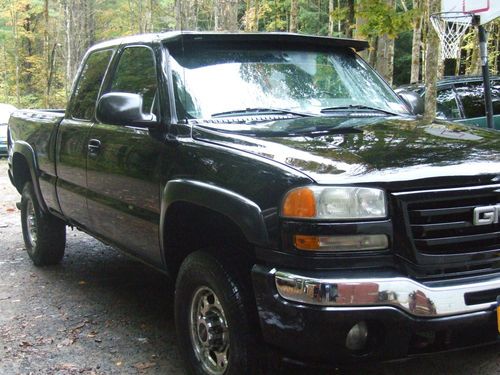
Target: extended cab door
[
  {"x": 73, "y": 137},
  {"x": 122, "y": 170}
]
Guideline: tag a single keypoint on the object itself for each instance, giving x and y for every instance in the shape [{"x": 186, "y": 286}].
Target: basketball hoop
[{"x": 451, "y": 27}]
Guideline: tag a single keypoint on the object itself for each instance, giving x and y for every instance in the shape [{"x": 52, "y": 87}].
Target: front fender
[{"x": 246, "y": 214}]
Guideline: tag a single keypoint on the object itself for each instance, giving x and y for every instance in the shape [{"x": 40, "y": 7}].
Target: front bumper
[{"x": 307, "y": 318}]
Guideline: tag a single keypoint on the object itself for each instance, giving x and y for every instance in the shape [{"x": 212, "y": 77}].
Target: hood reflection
[{"x": 339, "y": 150}]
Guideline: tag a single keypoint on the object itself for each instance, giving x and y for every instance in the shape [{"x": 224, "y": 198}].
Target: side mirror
[
  {"x": 120, "y": 108},
  {"x": 414, "y": 102}
]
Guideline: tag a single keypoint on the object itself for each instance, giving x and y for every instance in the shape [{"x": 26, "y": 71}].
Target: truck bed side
[{"x": 32, "y": 136}]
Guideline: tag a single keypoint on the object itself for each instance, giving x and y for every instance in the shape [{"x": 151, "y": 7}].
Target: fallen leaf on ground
[
  {"x": 144, "y": 365},
  {"x": 68, "y": 366},
  {"x": 66, "y": 342},
  {"x": 78, "y": 326}
]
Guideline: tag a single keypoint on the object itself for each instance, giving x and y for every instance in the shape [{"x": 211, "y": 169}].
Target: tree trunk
[
  {"x": 251, "y": 15},
  {"x": 431, "y": 65},
  {"x": 385, "y": 54},
  {"x": 368, "y": 53},
  {"x": 330, "y": 17},
  {"x": 351, "y": 19},
  {"x": 46, "y": 52},
  {"x": 227, "y": 15},
  {"x": 217, "y": 6},
  {"x": 441, "y": 64},
  {"x": 178, "y": 15},
  {"x": 69, "y": 42},
  {"x": 79, "y": 26},
  {"x": 15, "y": 34},
  {"x": 294, "y": 15},
  {"x": 496, "y": 38},
  {"x": 4, "y": 74},
  {"x": 372, "y": 52},
  {"x": 256, "y": 19},
  {"x": 416, "y": 44},
  {"x": 475, "y": 62},
  {"x": 385, "y": 57},
  {"x": 51, "y": 70}
]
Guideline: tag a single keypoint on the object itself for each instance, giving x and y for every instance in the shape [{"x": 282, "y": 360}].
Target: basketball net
[{"x": 451, "y": 27}]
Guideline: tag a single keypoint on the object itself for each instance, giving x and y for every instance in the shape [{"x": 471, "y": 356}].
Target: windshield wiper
[
  {"x": 260, "y": 111},
  {"x": 355, "y": 107}
]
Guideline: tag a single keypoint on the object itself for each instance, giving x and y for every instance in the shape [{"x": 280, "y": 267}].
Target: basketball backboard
[{"x": 487, "y": 10}]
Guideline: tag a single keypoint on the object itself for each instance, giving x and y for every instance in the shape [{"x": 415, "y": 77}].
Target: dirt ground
[{"x": 102, "y": 313}]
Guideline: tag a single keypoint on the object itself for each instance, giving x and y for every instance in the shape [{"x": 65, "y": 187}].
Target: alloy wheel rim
[
  {"x": 31, "y": 223},
  {"x": 209, "y": 331}
]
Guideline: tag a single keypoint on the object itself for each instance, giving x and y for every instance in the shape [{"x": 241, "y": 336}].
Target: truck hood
[{"x": 375, "y": 150}]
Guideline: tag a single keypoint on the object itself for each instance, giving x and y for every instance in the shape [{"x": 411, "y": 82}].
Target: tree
[
  {"x": 431, "y": 64},
  {"x": 382, "y": 21},
  {"x": 294, "y": 15},
  {"x": 226, "y": 15},
  {"x": 385, "y": 53},
  {"x": 417, "y": 41},
  {"x": 42, "y": 41}
]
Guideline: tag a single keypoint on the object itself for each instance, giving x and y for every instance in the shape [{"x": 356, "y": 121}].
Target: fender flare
[
  {"x": 26, "y": 151},
  {"x": 245, "y": 213}
]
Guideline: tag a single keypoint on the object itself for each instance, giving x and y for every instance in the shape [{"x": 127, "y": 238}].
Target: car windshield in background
[{"x": 214, "y": 83}]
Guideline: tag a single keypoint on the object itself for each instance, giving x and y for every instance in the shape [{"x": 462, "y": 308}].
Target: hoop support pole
[{"x": 483, "y": 47}]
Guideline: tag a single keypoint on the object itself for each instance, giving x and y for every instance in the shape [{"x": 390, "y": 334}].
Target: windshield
[{"x": 215, "y": 82}]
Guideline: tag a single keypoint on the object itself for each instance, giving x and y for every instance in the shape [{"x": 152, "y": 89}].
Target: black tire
[
  {"x": 44, "y": 234},
  {"x": 202, "y": 272}
]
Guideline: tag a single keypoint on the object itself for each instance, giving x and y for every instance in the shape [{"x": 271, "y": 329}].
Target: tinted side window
[
  {"x": 136, "y": 74},
  {"x": 472, "y": 97},
  {"x": 89, "y": 82},
  {"x": 447, "y": 106}
]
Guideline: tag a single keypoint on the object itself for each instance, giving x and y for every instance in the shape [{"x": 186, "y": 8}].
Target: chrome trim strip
[
  {"x": 406, "y": 294},
  {"x": 463, "y": 188}
]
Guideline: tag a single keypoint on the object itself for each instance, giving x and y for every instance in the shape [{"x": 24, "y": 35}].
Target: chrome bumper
[{"x": 406, "y": 294}]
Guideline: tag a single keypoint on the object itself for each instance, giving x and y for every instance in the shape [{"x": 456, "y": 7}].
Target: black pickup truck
[{"x": 301, "y": 209}]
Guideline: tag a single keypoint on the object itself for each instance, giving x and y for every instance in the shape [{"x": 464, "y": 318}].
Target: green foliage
[
  {"x": 402, "y": 58},
  {"x": 26, "y": 41},
  {"x": 383, "y": 18}
]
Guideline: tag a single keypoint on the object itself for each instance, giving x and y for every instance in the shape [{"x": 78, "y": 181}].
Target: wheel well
[
  {"x": 20, "y": 171},
  {"x": 189, "y": 227}
]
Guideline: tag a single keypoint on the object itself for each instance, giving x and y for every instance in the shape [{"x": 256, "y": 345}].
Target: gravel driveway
[{"x": 102, "y": 313}]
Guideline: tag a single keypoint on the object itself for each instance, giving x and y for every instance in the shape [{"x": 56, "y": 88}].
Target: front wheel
[
  {"x": 44, "y": 234},
  {"x": 213, "y": 316}
]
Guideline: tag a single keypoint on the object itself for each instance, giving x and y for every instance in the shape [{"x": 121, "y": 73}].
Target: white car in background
[{"x": 5, "y": 111}]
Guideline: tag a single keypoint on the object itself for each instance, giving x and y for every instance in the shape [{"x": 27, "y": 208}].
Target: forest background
[{"x": 43, "y": 41}]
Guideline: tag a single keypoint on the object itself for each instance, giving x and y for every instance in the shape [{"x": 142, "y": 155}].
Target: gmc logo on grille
[{"x": 486, "y": 215}]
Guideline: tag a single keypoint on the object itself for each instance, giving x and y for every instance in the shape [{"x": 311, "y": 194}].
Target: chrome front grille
[
  {"x": 446, "y": 227},
  {"x": 441, "y": 222}
]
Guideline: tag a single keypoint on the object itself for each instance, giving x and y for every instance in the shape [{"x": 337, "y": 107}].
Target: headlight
[{"x": 335, "y": 203}]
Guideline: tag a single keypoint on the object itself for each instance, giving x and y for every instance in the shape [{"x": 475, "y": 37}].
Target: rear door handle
[{"x": 94, "y": 146}]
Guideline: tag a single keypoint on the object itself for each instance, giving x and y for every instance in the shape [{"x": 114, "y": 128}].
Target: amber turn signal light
[
  {"x": 306, "y": 242},
  {"x": 356, "y": 242},
  {"x": 300, "y": 203}
]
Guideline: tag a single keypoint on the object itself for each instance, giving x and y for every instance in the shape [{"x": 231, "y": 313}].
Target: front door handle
[{"x": 94, "y": 146}]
